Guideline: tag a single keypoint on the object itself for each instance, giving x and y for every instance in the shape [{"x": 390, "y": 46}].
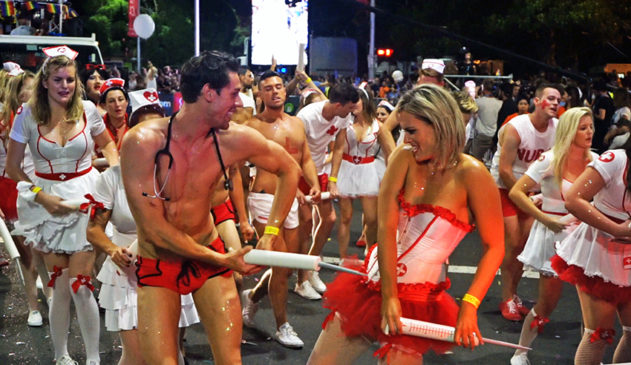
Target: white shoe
[
  {"x": 35, "y": 319},
  {"x": 306, "y": 291},
  {"x": 249, "y": 308},
  {"x": 521, "y": 359},
  {"x": 287, "y": 337},
  {"x": 66, "y": 360},
  {"x": 316, "y": 283}
]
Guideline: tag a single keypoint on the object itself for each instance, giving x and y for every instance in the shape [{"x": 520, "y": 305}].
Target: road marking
[{"x": 454, "y": 269}]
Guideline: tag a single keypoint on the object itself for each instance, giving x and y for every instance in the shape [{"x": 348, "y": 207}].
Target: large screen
[{"x": 278, "y": 29}]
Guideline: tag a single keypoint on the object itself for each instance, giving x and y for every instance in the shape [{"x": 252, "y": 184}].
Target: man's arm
[
  {"x": 137, "y": 167},
  {"x": 238, "y": 200},
  {"x": 308, "y": 166},
  {"x": 338, "y": 151},
  {"x": 509, "y": 144}
]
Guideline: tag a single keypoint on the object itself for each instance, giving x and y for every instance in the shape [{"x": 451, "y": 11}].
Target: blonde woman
[
  {"x": 555, "y": 171},
  {"x": 424, "y": 204},
  {"x": 60, "y": 130}
]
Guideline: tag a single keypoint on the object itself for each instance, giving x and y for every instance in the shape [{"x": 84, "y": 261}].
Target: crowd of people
[{"x": 102, "y": 189}]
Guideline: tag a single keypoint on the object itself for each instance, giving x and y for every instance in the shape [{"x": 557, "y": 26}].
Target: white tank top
[{"x": 532, "y": 144}]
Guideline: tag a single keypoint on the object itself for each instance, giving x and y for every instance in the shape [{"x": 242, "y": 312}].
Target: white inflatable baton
[
  {"x": 100, "y": 162},
  {"x": 8, "y": 241},
  {"x": 292, "y": 261},
  {"x": 323, "y": 196},
  {"x": 282, "y": 259},
  {"x": 434, "y": 331}
]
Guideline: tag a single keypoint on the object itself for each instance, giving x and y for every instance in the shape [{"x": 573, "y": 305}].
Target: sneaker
[
  {"x": 521, "y": 359},
  {"x": 509, "y": 310},
  {"x": 523, "y": 310},
  {"x": 66, "y": 360},
  {"x": 316, "y": 283},
  {"x": 287, "y": 337},
  {"x": 306, "y": 291},
  {"x": 34, "y": 319},
  {"x": 249, "y": 308}
]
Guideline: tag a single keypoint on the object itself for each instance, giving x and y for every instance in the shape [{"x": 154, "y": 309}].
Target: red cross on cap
[
  {"x": 110, "y": 83},
  {"x": 55, "y": 51}
]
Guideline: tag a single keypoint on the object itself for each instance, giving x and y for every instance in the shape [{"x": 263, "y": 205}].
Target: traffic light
[{"x": 384, "y": 52}]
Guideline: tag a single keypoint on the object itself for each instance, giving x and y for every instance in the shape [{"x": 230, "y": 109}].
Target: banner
[{"x": 132, "y": 13}]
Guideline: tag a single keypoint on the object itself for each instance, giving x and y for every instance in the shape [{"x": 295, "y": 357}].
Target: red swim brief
[
  {"x": 223, "y": 212},
  {"x": 509, "y": 209},
  {"x": 180, "y": 276},
  {"x": 304, "y": 186}
]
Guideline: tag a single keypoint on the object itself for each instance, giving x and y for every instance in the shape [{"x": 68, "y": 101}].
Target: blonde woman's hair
[
  {"x": 4, "y": 79},
  {"x": 565, "y": 133},
  {"x": 12, "y": 97},
  {"x": 465, "y": 101},
  {"x": 437, "y": 107},
  {"x": 39, "y": 101}
]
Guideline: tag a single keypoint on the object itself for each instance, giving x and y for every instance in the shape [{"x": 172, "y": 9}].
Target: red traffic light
[{"x": 384, "y": 52}]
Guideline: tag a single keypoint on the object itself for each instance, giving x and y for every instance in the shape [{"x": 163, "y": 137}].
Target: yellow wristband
[
  {"x": 472, "y": 300},
  {"x": 271, "y": 230},
  {"x": 333, "y": 179},
  {"x": 35, "y": 189},
  {"x": 308, "y": 80}
]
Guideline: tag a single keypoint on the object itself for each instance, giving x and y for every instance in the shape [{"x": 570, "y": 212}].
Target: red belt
[
  {"x": 358, "y": 160},
  {"x": 63, "y": 176}
]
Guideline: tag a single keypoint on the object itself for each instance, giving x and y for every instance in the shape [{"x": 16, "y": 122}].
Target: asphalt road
[{"x": 20, "y": 344}]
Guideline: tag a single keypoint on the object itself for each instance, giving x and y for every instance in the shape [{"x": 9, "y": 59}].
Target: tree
[{"x": 172, "y": 42}]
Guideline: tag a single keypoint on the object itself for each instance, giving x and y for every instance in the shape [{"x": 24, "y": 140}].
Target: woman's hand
[
  {"x": 53, "y": 204},
  {"x": 554, "y": 224},
  {"x": 121, "y": 256},
  {"x": 467, "y": 331},
  {"x": 391, "y": 315}
]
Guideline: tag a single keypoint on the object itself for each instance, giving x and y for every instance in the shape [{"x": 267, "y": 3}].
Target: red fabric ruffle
[
  {"x": 360, "y": 309},
  {"x": 9, "y": 198},
  {"x": 593, "y": 285},
  {"x": 412, "y": 210}
]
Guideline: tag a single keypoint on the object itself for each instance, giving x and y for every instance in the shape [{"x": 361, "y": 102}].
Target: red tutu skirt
[
  {"x": 8, "y": 198},
  {"x": 358, "y": 303},
  {"x": 593, "y": 285}
]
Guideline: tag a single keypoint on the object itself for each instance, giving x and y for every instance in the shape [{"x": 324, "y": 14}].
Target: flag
[
  {"x": 51, "y": 8},
  {"x": 7, "y": 9},
  {"x": 28, "y": 5},
  {"x": 72, "y": 13}
]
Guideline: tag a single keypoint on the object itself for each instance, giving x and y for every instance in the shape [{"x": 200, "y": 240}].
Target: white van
[{"x": 26, "y": 50}]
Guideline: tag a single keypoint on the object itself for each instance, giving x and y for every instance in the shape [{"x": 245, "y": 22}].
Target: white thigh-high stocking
[
  {"x": 87, "y": 315},
  {"x": 623, "y": 350},
  {"x": 59, "y": 311}
]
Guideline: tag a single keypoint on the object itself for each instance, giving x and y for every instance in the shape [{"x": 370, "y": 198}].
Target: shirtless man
[
  {"x": 288, "y": 132},
  {"x": 322, "y": 121},
  {"x": 170, "y": 170},
  {"x": 520, "y": 142}
]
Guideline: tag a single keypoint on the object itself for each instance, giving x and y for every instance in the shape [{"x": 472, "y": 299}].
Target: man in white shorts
[
  {"x": 322, "y": 121},
  {"x": 275, "y": 125}
]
